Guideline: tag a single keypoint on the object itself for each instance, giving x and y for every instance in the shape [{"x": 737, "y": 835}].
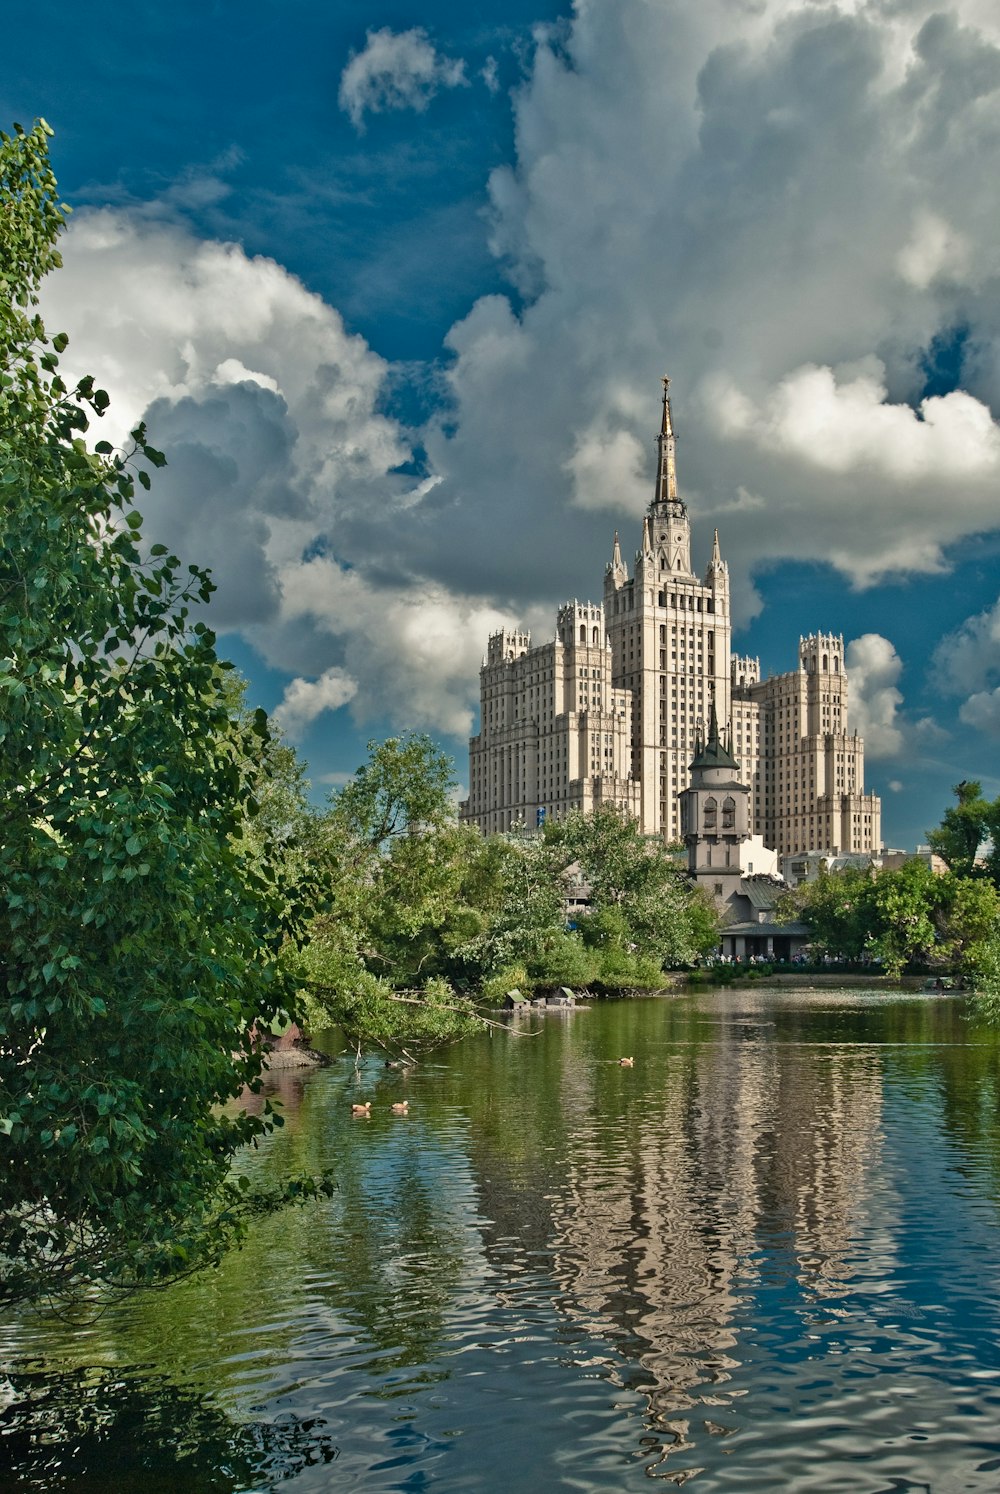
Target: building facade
[
  {"x": 617, "y": 706},
  {"x": 555, "y": 729}
]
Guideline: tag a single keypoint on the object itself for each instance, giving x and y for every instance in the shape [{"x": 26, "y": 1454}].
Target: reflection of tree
[
  {"x": 397, "y": 1242},
  {"x": 966, "y": 1075},
  {"x": 98, "y": 1431},
  {"x": 382, "y": 1262}
]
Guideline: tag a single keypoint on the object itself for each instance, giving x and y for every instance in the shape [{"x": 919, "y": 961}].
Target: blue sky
[{"x": 393, "y": 287}]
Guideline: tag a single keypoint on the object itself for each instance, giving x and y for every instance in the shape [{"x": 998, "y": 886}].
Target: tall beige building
[
  {"x": 670, "y": 633},
  {"x": 617, "y": 706},
  {"x": 555, "y": 730}
]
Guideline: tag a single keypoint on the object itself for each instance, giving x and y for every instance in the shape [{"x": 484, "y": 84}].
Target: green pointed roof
[{"x": 714, "y": 753}]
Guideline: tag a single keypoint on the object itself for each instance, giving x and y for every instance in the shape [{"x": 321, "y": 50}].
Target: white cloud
[
  {"x": 928, "y": 733},
  {"x": 935, "y": 249},
  {"x": 967, "y": 662},
  {"x": 155, "y": 313},
  {"x": 873, "y": 667},
  {"x": 418, "y": 650},
  {"x": 396, "y": 70},
  {"x": 603, "y": 466},
  {"x": 969, "y": 658},
  {"x": 334, "y": 780},
  {"x": 304, "y": 700},
  {"x": 277, "y": 454},
  {"x": 783, "y": 206},
  {"x": 847, "y": 425},
  {"x": 982, "y": 711}
]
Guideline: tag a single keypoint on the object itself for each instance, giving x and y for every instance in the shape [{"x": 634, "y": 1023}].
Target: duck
[
  {"x": 364, "y": 1109},
  {"x": 626, "y": 1063},
  {"x": 400, "y": 1107}
]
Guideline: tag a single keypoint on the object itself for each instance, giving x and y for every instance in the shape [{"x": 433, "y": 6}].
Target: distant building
[{"x": 617, "y": 708}]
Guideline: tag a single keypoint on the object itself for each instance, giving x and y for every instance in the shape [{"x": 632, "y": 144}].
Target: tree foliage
[
  {"x": 426, "y": 921},
  {"x": 392, "y": 861},
  {"x": 897, "y": 916},
  {"x": 968, "y": 827},
  {"x": 640, "y": 898},
  {"x": 139, "y": 938}
]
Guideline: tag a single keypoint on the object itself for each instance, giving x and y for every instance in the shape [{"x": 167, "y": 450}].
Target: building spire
[
  {"x": 616, "y": 558},
  {"x": 666, "y": 477},
  {"x": 713, "y": 726}
]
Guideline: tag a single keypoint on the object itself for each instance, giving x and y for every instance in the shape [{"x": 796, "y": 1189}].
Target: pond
[{"x": 765, "y": 1256}]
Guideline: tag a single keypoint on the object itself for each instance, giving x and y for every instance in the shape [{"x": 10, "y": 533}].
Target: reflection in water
[
  {"x": 734, "y": 1154},
  {"x": 99, "y": 1431},
  {"x": 724, "y": 1264}
]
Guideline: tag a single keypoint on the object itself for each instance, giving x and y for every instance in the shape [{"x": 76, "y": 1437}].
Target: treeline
[
  {"x": 912, "y": 916},
  {"x": 421, "y": 922}
]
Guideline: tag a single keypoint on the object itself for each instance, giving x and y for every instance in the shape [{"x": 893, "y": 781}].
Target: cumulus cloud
[
  {"x": 874, "y": 667},
  {"x": 967, "y": 662},
  {"x": 304, "y": 700},
  {"x": 418, "y": 649},
  {"x": 935, "y": 249},
  {"x": 396, "y": 70},
  {"x": 929, "y": 733},
  {"x": 781, "y": 205},
  {"x": 967, "y": 659},
  {"x": 277, "y": 454},
  {"x": 982, "y": 711},
  {"x": 155, "y": 313}
]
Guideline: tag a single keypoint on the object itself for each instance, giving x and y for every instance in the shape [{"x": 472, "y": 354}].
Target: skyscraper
[{"x": 615, "y": 709}]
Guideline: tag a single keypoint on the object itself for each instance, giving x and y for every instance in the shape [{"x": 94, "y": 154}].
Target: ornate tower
[
  {"x": 715, "y": 815},
  {"x": 670, "y": 635},
  {"x": 668, "y": 527}
]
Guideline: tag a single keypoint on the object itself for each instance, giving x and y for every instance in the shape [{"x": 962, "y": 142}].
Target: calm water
[{"x": 766, "y": 1257}]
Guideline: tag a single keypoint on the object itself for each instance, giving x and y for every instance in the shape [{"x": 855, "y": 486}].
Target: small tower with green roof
[{"x": 715, "y": 815}]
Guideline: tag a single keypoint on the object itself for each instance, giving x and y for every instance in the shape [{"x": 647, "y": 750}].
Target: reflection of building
[
  {"x": 614, "y": 708},
  {"x": 730, "y": 1159}
]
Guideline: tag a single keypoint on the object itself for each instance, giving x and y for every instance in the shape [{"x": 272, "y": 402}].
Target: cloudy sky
[{"x": 393, "y": 286}]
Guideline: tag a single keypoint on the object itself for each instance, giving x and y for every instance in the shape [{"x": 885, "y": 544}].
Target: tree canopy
[
  {"x": 426, "y": 922},
  {"x": 638, "y": 889},
  {"x": 968, "y": 837},
  {"x": 898, "y": 915},
  {"x": 139, "y": 937}
]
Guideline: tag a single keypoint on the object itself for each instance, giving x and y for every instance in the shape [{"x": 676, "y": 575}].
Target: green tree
[
  {"x": 515, "y": 884},
  {"x": 657, "y": 912},
  {"x": 964, "y": 828},
  {"x": 902, "y": 903},
  {"x": 403, "y": 788},
  {"x": 838, "y": 908},
  {"x": 138, "y": 939},
  {"x": 394, "y": 864},
  {"x": 897, "y": 915}
]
